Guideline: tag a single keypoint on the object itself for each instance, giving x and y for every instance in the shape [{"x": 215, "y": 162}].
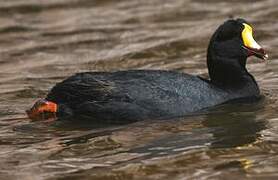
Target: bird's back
[{"x": 135, "y": 95}]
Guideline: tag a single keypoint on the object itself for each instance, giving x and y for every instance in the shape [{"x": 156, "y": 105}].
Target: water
[{"x": 42, "y": 42}]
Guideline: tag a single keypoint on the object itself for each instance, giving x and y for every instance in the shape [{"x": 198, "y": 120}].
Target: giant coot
[{"x": 134, "y": 95}]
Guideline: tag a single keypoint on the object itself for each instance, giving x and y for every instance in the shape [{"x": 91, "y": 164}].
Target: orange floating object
[{"x": 42, "y": 109}]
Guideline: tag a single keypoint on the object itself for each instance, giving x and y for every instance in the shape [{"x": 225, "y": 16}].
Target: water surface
[{"x": 43, "y": 42}]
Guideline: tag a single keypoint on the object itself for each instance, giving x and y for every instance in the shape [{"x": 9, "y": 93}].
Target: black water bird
[{"x": 133, "y": 95}]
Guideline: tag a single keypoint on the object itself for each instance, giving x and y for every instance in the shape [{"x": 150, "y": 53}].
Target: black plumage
[{"x": 155, "y": 94}]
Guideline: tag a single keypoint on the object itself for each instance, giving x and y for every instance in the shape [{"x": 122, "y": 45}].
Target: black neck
[
  {"x": 226, "y": 60},
  {"x": 230, "y": 73}
]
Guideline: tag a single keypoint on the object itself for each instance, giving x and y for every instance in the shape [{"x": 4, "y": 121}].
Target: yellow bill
[{"x": 250, "y": 44}]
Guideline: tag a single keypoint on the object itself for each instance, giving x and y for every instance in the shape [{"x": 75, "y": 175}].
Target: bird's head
[{"x": 230, "y": 46}]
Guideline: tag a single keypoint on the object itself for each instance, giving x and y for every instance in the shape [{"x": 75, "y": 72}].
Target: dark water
[{"x": 42, "y": 42}]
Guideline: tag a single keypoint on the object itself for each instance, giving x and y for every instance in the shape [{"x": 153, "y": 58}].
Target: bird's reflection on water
[
  {"x": 227, "y": 126},
  {"x": 220, "y": 131}
]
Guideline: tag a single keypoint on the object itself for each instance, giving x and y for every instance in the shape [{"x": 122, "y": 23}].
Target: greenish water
[{"x": 43, "y": 42}]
